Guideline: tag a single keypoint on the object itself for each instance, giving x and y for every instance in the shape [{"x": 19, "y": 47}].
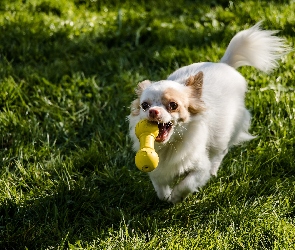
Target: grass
[{"x": 67, "y": 175}]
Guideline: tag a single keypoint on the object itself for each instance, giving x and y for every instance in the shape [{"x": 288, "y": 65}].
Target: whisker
[{"x": 172, "y": 145}]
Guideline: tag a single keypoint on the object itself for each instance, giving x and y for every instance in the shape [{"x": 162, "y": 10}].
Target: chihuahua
[{"x": 201, "y": 113}]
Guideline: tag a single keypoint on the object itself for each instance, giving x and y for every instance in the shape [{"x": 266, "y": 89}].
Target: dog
[{"x": 201, "y": 113}]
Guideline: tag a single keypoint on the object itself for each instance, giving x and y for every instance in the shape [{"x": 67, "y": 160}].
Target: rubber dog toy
[{"x": 146, "y": 158}]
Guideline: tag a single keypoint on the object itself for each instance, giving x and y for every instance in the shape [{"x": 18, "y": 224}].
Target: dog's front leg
[
  {"x": 163, "y": 190},
  {"x": 194, "y": 180}
]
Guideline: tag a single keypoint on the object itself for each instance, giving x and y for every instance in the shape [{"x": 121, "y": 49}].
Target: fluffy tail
[{"x": 255, "y": 47}]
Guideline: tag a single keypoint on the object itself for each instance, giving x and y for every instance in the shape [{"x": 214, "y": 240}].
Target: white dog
[{"x": 201, "y": 113}]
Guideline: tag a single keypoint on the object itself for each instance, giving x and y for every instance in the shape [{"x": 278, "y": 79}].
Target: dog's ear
[
  {"x": 196, "y": 82},
  {"x": 135, "y": 105},
  {"x": 141, "y": 87}
]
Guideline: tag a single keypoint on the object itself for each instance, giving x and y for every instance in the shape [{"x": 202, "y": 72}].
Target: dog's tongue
[{"x": 164, "y": 129}]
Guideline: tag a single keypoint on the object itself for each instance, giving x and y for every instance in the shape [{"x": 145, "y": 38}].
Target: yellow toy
[{"x": 146, "y": 158}]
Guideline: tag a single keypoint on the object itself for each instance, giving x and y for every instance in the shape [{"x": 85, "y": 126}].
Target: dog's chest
[{"x": 174, "y": 157}]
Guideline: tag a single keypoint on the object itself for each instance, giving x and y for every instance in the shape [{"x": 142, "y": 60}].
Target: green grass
[{"x": 67, "y": 175}]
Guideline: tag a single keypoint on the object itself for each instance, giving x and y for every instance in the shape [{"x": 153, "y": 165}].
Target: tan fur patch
[
  {"x": 172, "y": 95},
  {"x": 195, "y": 84},
  {"x": 141, "y": 87},
  {"x": 135, "y": 107}
]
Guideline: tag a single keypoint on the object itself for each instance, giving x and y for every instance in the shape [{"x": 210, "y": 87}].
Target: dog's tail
[{"x": 255, "y": 47}]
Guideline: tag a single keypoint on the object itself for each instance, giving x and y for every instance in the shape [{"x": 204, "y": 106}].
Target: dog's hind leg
[
  {"x": 216, "y": 160},
  {"x": 241, "y": 133}
]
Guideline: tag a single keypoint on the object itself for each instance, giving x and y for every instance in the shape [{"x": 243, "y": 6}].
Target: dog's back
[{"x": 224, "y": 88}]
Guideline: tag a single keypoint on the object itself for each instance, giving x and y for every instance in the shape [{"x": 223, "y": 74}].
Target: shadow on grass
[
  {"x": 85, "y": 213},
  {"x": 106, "y": 199},
  {"x": 30, "y": 49},
  {"x": 106, "y": 192}
]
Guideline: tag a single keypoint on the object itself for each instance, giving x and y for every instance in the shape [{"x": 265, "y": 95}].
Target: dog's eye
[
  {"x": 145, "y": 106},
  {"x": 173, "y": 105}
]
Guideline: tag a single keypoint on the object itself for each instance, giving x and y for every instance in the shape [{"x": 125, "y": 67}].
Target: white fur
[{"x": 196, "y": 147}]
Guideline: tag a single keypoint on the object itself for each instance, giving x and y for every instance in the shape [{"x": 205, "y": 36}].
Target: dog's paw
[
  {"x": 176, "y": 200},
  {"x": 166, "y": 198},
  {"x": 176, "y": 197},
  {"x": 164, "y": 194}
]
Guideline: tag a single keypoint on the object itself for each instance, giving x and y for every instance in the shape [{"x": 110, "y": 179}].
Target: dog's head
[{"x": 168, "y": 103}]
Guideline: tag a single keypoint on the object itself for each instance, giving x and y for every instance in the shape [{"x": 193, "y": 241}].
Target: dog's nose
[{"x": 153, "y": 113}]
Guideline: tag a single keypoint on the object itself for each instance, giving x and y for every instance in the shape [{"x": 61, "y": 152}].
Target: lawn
[{"x": 68, "y": 180}]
